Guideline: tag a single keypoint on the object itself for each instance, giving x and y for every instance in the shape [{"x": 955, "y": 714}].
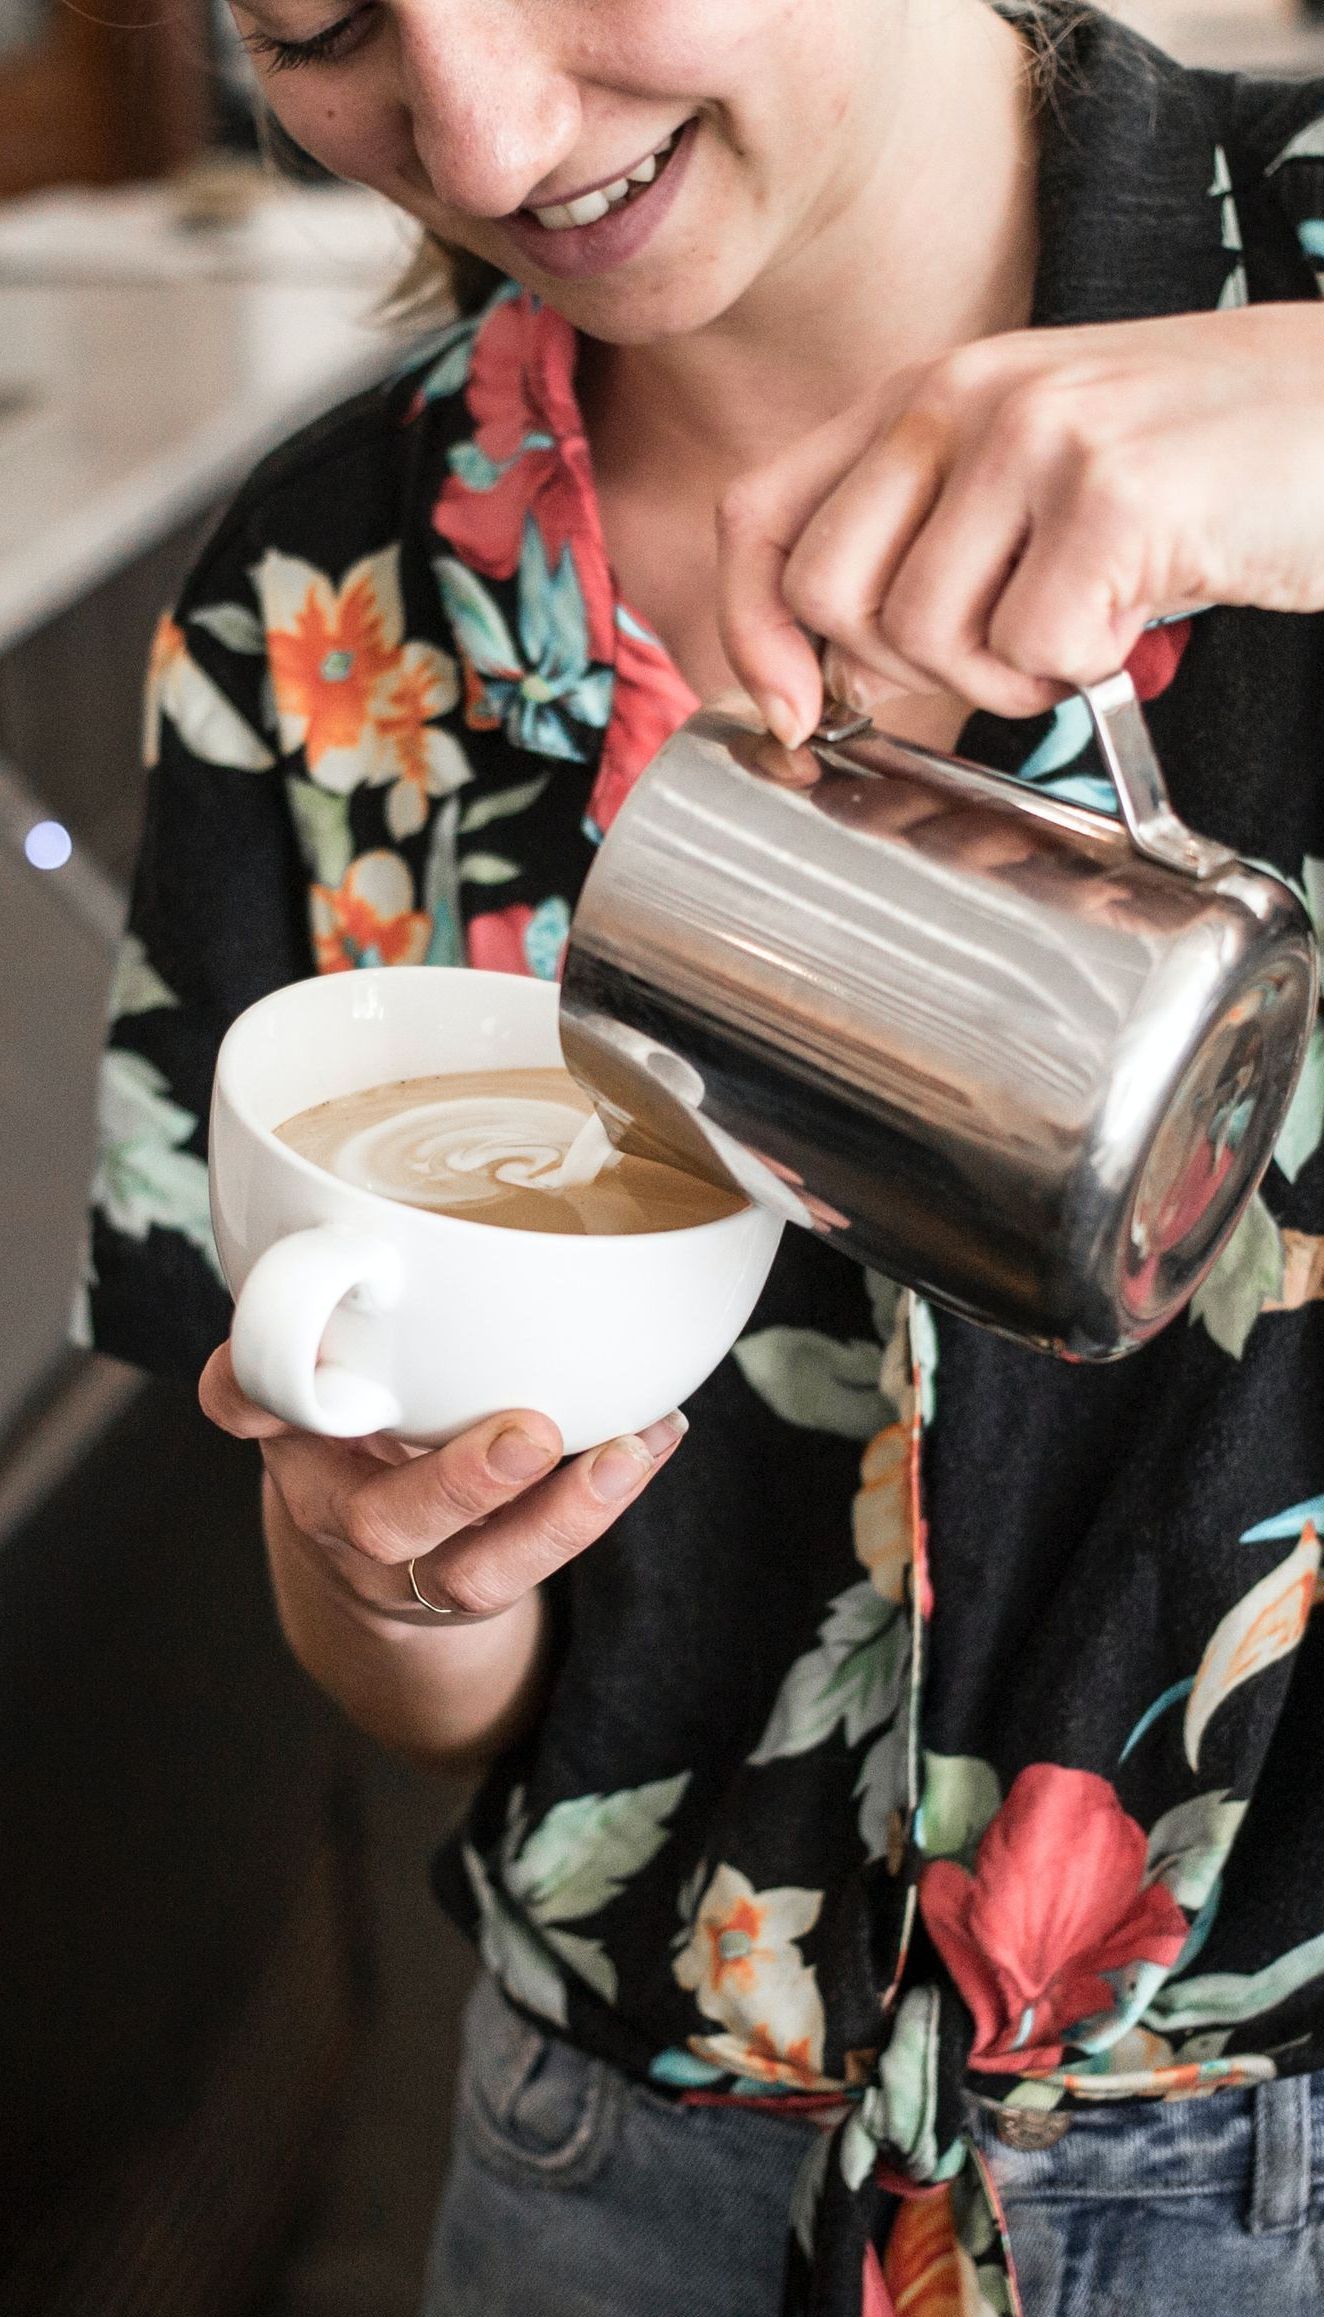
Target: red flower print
[
  {"x": 1157, "y": 657},
  {"x": 650, "y": 700},
  {"x": 1056, "y": 1901},
  {"x": 495, "y": 940},
  {"x": 521, "y": 385}
]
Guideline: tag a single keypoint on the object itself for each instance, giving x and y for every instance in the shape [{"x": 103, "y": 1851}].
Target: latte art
[
  {"x": 520, "y": 1148},
  {"x": 454, "y": 1153}
]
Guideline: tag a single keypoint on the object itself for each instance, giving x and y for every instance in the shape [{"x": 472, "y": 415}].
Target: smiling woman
[{"x": 840, "y": 1843}]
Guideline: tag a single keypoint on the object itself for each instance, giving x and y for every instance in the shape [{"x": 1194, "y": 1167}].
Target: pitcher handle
[{"x": 1128, "y": 753}]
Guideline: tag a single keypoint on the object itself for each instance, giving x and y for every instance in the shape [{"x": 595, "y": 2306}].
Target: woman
[{"x": 886, "y": 1846}]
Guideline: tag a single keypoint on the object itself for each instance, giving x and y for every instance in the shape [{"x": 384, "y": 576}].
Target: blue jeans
[{"x": 574, "y": 2193}]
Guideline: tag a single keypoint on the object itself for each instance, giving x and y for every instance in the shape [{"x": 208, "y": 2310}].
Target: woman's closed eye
[{"x": 327, "y": 47}]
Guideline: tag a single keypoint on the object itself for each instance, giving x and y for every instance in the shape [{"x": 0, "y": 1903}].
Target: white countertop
[{"x": 151, "y": 398}]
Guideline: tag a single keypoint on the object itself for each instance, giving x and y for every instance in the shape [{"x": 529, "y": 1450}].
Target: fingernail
[
  {"x": 617, "y": 1469},
  {"x": 782, "y": 721},
  {"x": 516, "y": 1455},
  {"x": 664, "y": 1434}
]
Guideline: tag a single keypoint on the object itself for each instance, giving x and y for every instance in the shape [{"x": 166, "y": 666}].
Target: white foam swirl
[{"x": 460, "y": 1152}]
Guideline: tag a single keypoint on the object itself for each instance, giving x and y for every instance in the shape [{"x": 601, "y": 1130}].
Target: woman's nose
[{"x": 493, "y": 107}]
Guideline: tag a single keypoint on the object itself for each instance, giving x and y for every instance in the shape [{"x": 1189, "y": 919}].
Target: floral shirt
[{"x": 944, "y": 1720}]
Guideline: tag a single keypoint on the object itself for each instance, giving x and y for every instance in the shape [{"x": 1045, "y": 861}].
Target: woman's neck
[{"x": 932, "y": 246}]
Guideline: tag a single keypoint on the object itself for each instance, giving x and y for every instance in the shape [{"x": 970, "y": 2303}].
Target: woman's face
[{"x": 738, "y": 129}]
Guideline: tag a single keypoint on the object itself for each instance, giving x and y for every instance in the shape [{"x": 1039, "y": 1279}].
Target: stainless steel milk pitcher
[{"x": 1021, "y": 1056}]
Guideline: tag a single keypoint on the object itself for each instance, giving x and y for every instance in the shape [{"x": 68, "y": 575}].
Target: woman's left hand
[{"x": 1001, "y": 524}]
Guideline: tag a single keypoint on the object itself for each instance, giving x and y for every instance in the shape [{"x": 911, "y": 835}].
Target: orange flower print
[
  {"x": 369, "y": 918},
  {"x": 746, "y": 1972},
  {"x": 351, "y": 692},
  {"x": 198, "y": 709},
  {"x": 1265, "y": 1625},
  {"x": 883, "y": 1512}
]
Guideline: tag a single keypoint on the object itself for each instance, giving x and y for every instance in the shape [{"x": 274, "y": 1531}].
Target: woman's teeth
[{"x": 591, "y": 206}]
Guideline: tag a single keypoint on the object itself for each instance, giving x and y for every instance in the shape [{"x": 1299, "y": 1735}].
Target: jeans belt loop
[{"x": 1281, "y": 2161}]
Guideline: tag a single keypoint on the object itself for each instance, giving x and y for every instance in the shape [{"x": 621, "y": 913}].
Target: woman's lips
[{"x": 572, "y": 251}]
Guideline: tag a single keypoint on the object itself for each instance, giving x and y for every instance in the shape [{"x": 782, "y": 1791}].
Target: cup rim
[{"x": 224, "y": 1089}]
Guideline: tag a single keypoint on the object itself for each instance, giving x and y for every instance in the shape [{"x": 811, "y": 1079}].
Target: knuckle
[
  {"x": 474, "y": 1587},
  {"x": 956, "y": 377},
  {"x": 909, "y": 627},
  {"x": 1028, "y": 425},
  {"x": 368, "y": 1529},
  {"x": 741, "y": 507},
  {"x": 1112, "y": 487},
  {"x": 813, "y": 592},
  {"x": 461, "y": 1493}
]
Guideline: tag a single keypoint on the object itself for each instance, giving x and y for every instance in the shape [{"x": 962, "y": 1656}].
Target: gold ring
[{"x": 423, "y": 1600}]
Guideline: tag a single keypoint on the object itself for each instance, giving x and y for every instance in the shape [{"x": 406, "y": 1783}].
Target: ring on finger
[{"x": 421, "y": 1597}]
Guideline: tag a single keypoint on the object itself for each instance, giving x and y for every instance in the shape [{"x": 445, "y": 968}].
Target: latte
[{"x": 491, "y": 1146}]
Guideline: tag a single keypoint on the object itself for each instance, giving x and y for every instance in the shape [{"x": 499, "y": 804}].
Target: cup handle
[{"x": 281, "y": 1315}]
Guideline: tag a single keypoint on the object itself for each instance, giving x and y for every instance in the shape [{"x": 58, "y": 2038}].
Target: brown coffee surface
[{"x": 478, "y": 1144}]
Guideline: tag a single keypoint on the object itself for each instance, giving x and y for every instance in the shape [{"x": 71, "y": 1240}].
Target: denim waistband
[{"x": 1267, "y": 2141}]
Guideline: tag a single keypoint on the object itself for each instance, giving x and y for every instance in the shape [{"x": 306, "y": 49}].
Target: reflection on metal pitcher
[{"x": 1021, "y": 1056}]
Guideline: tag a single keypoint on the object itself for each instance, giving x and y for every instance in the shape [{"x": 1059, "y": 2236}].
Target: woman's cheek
[{"x": 353, "y": 133}]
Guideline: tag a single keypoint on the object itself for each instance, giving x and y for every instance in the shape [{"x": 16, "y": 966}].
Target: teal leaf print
[
  {"x": 474, "y": 468},
  {"x": 488, "y": 869},
  {"x": 321, "y": 824},
  {"x": 1247, "y": 1275},
  {"x": 586, "y": 1850},
  {"x": 855, "y": 1676},
  {"x": 1154, "y": 1713},
  {"x": 143, "y": 1177},
  {"x": 908, "y": 2073},
  {"x": 478, "y": 621},
  {"x": 532, "y": 688},
  {"x": 813, "y": 1380},
  {"x": 545, "y": 937},
  {"x": 683, "y": 2071},
  {"x": 961, "y": 1799},
  {"x": 882, "y": 1789},
  {"x": 900, "y": 2110},
  {"x": 1291, "y": 1523},
  {"x": 1306, "y": 145},
  {"x": 576, "y": 1861},
  {"x": 924, "y": 1345},
  {"x": 1312, "y": 881},
  {"x": 1066, "y": 739},
  {"x": 1303, "y": 1128},
  {"x": 505, "y": 801},
  {"x": 233, "y": 625},
  {"x": 1265, "y": 1625},
  {"x": 807, "y": 2193},
  {"x": 448, "y": 370},
  {"x": 137, "y": 987},
  {"x": 441, "y": 888},
  {"x": 525, "y": 1966},
  {"x": 587, "y": 1958},
  {"x": 1226, "y": 1998},
  {"x": 1189, "y": 1846}
]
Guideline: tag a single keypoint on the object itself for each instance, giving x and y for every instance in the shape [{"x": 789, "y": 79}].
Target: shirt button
[{"x": 1029, "y": 2128}]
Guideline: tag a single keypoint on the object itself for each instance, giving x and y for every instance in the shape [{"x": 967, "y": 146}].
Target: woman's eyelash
[{"x": 323, "y": 48}]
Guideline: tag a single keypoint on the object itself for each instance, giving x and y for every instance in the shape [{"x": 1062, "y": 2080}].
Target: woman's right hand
[{"x": 484, "y": 1519}]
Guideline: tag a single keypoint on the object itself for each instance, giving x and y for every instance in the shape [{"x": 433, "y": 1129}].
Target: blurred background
[{"x": 229, "y": 2011}]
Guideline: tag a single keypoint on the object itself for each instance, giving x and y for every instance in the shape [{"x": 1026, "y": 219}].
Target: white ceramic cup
[{"x": 355, "y": 1314}]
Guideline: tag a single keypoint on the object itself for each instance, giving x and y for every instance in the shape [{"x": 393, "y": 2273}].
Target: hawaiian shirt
[{"x": 943, "y": 1723}]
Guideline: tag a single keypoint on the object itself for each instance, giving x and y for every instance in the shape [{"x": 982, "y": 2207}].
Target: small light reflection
[{"x": 48, "y": 845}]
